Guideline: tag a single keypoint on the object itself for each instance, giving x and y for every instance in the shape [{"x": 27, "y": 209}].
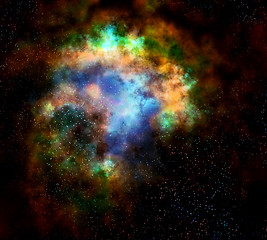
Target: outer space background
[{"x": 139, "y": 119}]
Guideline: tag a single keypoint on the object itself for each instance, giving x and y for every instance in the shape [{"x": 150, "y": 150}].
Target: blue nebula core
[{"x": 130, "y": 105}]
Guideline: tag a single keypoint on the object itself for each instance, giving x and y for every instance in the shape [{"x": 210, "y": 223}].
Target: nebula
[
  {"x": 94, "y": 132},
  {"x": 137, "y": 119}
]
